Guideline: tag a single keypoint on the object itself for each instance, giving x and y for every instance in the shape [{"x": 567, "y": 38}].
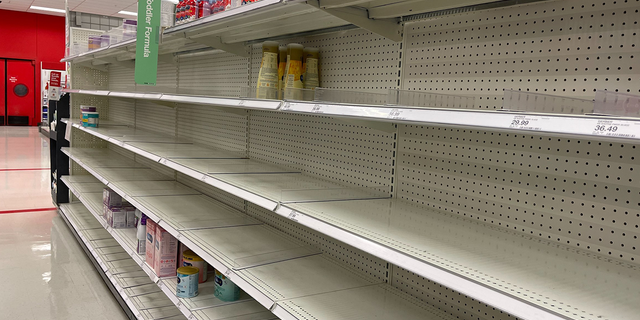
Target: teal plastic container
[
  {"x": 90, "y": 119},
  {"x": 225, "y": 289}
]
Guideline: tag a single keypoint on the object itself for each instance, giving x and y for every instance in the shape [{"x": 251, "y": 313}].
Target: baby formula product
[
  {"x": 187, "y": 282},
  {"x": 166, "y": 253},
  {"x": 225, "y": 289},
  {"x": 150, "y": 242},
  {"x": 293, "y": 73},
  {"x": 268, "y": 77},
  {"x": 193, "y": 260},
  {"x": 90, "y": 119}
]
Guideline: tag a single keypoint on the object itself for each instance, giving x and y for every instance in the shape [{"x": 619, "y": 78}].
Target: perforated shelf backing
[
  {"x": 576, "y": 192},
  {"x": 216, "y": 127},
  {"x": 213, "y": 73},
  {"x": 350, "y": 153},
  {"x": 372, "y": 267},
  {"x": 89, "y": 78},
  {"x": 568, "y": 48},
  {"x": 352, "y": 60}
]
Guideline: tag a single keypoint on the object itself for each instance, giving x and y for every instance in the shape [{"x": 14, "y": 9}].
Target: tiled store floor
[{"x": 43, "y": 271}]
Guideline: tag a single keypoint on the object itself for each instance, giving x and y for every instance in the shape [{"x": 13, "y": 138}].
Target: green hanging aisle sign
[{"x": 147, "y": 40}]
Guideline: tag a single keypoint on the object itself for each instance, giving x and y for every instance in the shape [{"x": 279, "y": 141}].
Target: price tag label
[
  {"x": 191, "y": 317},
  {"x": 227, "y": 273},
  {"x": 525, "y": 123},
  {"x": 241, "y": 103},
  {"x": 160, "y": 284},
  {"x": 294, "y": 215},
  {"x": 163, "y": 161},
  {"x": 179, "y": 304},
  {"x": 286, "y": 106},
  {"x": 204, "y": 179},
  {"x": 317, "y": 109},
  {"x": 616, "y": 128},
  {"x": 396, "y": 114}
]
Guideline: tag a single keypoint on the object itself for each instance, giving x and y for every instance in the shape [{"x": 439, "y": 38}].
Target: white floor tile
[{"x": 44, "y": 272}]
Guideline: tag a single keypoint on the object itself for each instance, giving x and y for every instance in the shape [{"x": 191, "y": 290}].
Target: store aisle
[{"x": 44, "y": 272}]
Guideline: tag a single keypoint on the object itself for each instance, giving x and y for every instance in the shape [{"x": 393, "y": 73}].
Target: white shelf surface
[
  {"x": 199, "y": 99},
  {"x": 270, "y": 266},
  {"x": 532, "y": 277},
  {"x": 261, "y": 183},
  {"x": 162, "y": 293},
  {"x": 454, "y": 253},
  {"x": 108, "y": 255}
]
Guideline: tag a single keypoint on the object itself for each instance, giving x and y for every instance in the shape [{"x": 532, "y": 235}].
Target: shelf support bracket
[
  {"x": 215, "y": 42},
  {"x": 389, "y": 29}
]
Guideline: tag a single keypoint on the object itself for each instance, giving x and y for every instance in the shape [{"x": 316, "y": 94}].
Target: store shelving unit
[
  {"x": 273, "y": 268},
  {"x": 473, "y": 209}
]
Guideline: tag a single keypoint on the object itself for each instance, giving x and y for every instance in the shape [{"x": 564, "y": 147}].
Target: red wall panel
[{"x": 29, "y": 36}]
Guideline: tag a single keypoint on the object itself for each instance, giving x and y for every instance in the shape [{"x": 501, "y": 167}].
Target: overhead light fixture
[
  {"x": 47, "y": 9},
  {"x": 129, "y": 13}
]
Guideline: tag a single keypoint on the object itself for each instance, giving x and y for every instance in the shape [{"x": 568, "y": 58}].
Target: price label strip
[
  {"x": 317, "y": 109},
  {"x": 616, "y": 128},
  {"x": 527, "y": 123}
]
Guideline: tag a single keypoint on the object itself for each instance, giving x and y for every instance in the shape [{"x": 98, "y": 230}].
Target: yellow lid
[
  {"x": 188, "y": 270},
  {"x": 191, "y": 256}
]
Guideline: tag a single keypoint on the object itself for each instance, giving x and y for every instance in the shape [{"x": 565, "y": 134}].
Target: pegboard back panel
[
  {"x": 89, "y": 78},
  {"x": 353, "y": 59},
  {"x": 101, "y": 104},
  {"x": 155, "y": 117},
  {"x": 216, "y": 127},
  {"x": 368, "y": 265},
  {"x": 81, "y": 35},
  {"x": 121, "y": 78},
  {"x": 213, "y": 192},
  {"x": 122, "y": 111},
  {"x": 445, "y": 299},
  {"x": 568, "y": 48},
  {"x": 349, "y": 153},
  {"x": 576, "y": 192},
  {"x": 167, "y": 77},
  {"x": 213, "y": 73}
]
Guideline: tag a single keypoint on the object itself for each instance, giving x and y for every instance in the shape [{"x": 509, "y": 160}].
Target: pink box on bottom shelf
[
  {"x": 166, "y": 253},
  {"x": 150, "y": 243}
]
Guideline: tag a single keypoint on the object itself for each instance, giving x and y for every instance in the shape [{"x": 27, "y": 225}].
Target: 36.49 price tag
[{"x": 616, "y": 128}]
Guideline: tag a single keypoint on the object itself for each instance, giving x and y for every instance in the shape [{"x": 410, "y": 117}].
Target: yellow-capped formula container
[
  {"x": 190, "y": 259},
  {"x": 187, "y": 286},
  {"x": 311, "y": 77},
  {"x": 268, "y": 77},
  {"x": 293, "y": 75},
  {"x": 282, "y": 67}
]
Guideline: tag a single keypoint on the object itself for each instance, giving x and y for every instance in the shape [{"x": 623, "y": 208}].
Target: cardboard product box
[
  {"x": 150, "y": 247},
  {"x": 117, "y": 217},
  {"x": 166, "y": 253},
  {"x": 110, "y": 198},
  {"x": 131, "y": 217}
]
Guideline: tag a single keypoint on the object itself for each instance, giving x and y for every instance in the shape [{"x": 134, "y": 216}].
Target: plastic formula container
[
  {"x": 190, "y": 259},
  {"x": 90, "y": 119},
  {"x": 225, "y": 289},
  {"x": 187, "y": 282}
]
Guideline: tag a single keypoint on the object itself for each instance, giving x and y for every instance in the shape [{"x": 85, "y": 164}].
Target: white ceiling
[{"x": 101, "y": 7}]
